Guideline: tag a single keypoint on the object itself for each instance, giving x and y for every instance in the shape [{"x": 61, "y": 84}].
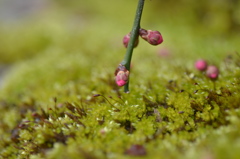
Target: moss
[{"x": 59, "y": 99}]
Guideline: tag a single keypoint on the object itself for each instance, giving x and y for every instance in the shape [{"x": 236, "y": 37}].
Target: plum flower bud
[
  {"x": 201, "y": 65},
  {"x": 126, "y": 40},
  {"x": 121, "y": 75},
  {"x": 212, "y": 72},
  {"x": 152, "y": 37},
  {"x": 164, "y": 52}
]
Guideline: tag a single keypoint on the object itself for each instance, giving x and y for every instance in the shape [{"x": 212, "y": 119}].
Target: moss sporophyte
[{"x": 130, "y": 41}]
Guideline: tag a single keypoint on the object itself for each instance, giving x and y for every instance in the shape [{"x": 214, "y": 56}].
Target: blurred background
[
  {"x": 28, "y": 27},
  {"x": 88, "y": 34}
]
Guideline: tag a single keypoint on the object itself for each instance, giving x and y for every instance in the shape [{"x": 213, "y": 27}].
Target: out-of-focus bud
[
  {"x": 212, "y": 72},
  {"x": 152, "y": 37},
  {"x": 121, "y": 75},
  {"x": 201, "y": 65},
  {"x": 164, "y": 52},
  {"x": 126, "y": 40}
]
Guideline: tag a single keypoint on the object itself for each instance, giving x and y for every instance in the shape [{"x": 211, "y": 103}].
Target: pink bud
[
  {"x": 155, "y": 37},
  {"x": 164, "y": 52},
  {"x": 121, "y": 83},
  {"x": 212, "y": 72},
  {"x": 121, "y": 75},
  {"x": 126, "y": 40},
  {"x": 152, "y": 37},
  {"x": 201, "y": 65}
]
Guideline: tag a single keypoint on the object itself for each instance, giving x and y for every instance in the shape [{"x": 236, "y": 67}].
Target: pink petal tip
[{"x": 121, "y": 83}]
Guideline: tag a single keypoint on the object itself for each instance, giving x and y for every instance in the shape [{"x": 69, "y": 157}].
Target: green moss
[{"x": 59, "y": 99}]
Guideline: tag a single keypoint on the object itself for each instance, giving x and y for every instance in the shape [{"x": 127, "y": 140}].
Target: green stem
[{"x": 134, "y": 35}]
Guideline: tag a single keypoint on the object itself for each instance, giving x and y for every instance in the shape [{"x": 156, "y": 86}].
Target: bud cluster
[
  {"x": 121, "y": 75},
  {"x": 152, "y": 37},
  {"x": 212, "y": 71}
]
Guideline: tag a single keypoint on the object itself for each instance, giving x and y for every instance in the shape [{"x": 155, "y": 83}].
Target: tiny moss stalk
[{"x": 134, "y": 34}]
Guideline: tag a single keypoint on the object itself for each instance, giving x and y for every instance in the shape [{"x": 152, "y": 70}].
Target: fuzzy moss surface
[{"x": 59, "y": 99}]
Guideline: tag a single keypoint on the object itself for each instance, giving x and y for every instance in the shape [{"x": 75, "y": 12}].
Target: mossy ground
[{"x": 59, "y": 99}]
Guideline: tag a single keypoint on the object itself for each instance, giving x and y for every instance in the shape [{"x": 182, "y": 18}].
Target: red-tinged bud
[
  {"x": 121, "y": 75},
  {"x": 212, "y": 72},
  {"x": 152, "y": 37},
  {"x": 201, "y": 65},
  {"x": 143, "y": 33},
  {"x": 126, "y": 40}
]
